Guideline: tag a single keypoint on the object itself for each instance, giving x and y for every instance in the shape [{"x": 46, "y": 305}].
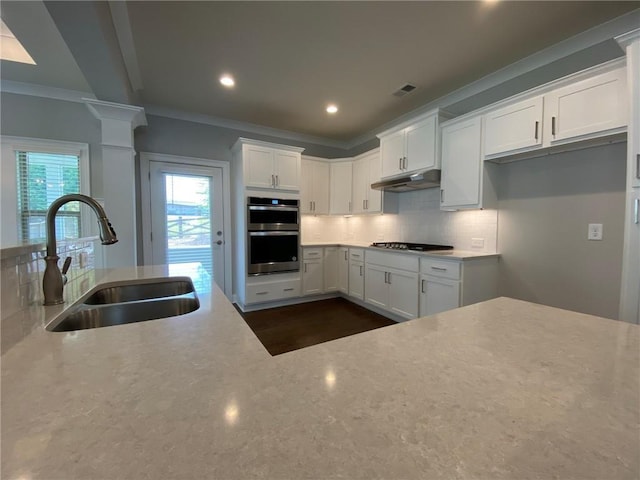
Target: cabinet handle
[
  {"x": 389, "y": 277},
  {"x": 314, "y": 205},
  {"x": 349, "y": 206},
  {"x": 441, "y": 195},
  {"x": 345, "y": 255},
  {"x": 363, "y": 205},
  {"x": 553, "y": 126},
  {"x": 439, "y": 269},
  {"x": 273, "y": 181},
  {"x": 311, "y": 206},
  {"x": 355, "y": 254},
  {"x": 385, "y": 277},
  {"x": 277, "y": 181},
  {"x": 638, "y": 165},
  {"x": 536, "y": 135},
  {"x": 636, "y": 210},
  {"x": 422, "y": 286},
  {"x": 400, "y": 163},
  {"x": 305, "y": 268},
  {"x": 360, "y": 270},
  {"x": 404, "y": 162},
  {"x": 366, "y": 203},
  {"x": 288, "y": 289},
  {"x": 261, "y": 293}
]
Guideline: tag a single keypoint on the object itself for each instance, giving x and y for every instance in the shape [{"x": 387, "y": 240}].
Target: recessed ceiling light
[
  {"x": 227, "y": 80},
  {"x": 332, "y": 108}
]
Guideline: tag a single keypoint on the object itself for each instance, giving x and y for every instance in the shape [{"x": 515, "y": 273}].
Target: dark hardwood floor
[{"x": 284, "y": 329}]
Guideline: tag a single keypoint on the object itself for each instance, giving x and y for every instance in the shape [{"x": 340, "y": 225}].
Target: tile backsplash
[
  {"x": 419, "y": 220},
  {"x": 21, "y": 270}
]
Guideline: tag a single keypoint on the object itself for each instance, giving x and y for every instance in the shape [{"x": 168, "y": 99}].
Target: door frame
[{"x": 145, "y": 205}]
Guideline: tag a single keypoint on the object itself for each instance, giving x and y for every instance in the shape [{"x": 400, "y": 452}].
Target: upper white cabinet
[
  {"x": 593, "y": 105},
  {"x": 411, "y": 147},
  {"x": 366, "y": 170},
  {"x": 340, "y": 188},
  {"x": 583, "y": 106},
  {"x": 514, "y": 127},
  {"x": 268, "y": 166},
  {"x": 314, "y": 189}
]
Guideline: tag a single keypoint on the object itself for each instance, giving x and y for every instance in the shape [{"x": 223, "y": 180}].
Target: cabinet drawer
[
  {"x": 356, "y": 254},
  {"x": 440, "y": 268},
  {"x": 410, "y": 263},
  {"x": 311, "y": 253},
  {"x": 267, "y": 292}
]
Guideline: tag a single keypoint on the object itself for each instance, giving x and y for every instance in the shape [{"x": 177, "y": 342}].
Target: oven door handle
[
  {"x": 270, "y": 233},
  {"x": 273, "y": 208}
]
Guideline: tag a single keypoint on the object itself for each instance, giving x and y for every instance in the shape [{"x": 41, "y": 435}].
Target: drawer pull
[
  {"x": 355, "y": 254},
  {"x": 261, "y": 293},
  {"x": 439, "y": 269},
  {"x": 288, "y": 289}
]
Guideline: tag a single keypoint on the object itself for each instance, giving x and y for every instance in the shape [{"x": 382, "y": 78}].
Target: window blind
[{"x": 43, "y": 177}]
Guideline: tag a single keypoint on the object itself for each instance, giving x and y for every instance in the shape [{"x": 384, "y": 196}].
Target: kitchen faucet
[{"x": 53, "y": 281}]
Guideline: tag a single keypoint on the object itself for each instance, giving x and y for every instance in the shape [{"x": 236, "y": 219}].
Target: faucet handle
[{"x": 65, "y": 269}]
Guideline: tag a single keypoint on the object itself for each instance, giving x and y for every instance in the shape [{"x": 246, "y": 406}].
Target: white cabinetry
[
  {"x": 366, "y": 170},
  {"x": 330, "y": 267},
  {"x": 340, "y": 188},
  {"x": 584, "y": 106},
  {"x": 467, "y": 181},
  {"x": 356, "y": 273},
  {"x": 271, "y": 291},
  {"x": 314, "y": 191},
  {"x": 391, "y": 282},
  {"x": 343, "y": 270},
  {"x": 411, "y": 147},
  {"x": 269, "y": 167},
  {"x": 514, "y": 127},
  {"x": 312, "y": 271},
  {"x": 449, "y": 283},
  {"x": 593, "y": 105}
]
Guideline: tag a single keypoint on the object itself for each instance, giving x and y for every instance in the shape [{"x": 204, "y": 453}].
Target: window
[
  {"x": 43, "y": 177},
  {"x": 34, "y": 173}
]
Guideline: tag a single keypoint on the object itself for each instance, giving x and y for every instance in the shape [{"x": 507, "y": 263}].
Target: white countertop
[
  {"x": 454, "y": 254},
  {"x": 500, "y": 389}
]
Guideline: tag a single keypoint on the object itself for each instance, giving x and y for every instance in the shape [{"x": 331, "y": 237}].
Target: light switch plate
[
  {"x": 477, "y": 243},
  {"x": 595, "y": 231}
]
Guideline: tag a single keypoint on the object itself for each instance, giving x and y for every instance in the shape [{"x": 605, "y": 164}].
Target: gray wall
[
  {"x": 44, "y": 118},
  {"x": 191, "y": 139},
  {"x": 545, "y": 205}
]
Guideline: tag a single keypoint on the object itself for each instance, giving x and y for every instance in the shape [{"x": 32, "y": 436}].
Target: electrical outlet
[
  {"x": 595, "y": 231},
  {"x": 477, "y": 243}
]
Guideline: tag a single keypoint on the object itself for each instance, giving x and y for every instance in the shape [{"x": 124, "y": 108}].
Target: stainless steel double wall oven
[{"x": 273, "y": 235}]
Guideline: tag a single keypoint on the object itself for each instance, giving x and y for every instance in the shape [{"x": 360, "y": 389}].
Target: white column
[
  {"x": 630, "y": 288},
  {"x": 118, "y": 176}
]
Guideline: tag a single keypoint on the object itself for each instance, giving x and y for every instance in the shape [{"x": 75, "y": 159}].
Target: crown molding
[
  {"x": 35, "y": 90},
  {"x": 243, "y": 126}
]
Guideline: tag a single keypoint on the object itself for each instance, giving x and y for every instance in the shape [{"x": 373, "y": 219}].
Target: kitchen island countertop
[{"x": 500, "y": 389}]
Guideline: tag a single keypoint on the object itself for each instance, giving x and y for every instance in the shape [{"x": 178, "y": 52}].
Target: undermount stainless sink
[
  {"x": 147, "y": 290},
  {"x": 130, "y": 302}
]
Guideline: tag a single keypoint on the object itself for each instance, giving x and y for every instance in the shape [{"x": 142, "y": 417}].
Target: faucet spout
[{"x": 52, "y": 282}]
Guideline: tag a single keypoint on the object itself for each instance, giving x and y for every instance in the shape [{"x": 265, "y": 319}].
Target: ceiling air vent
[{"x": 404, "y": 90}]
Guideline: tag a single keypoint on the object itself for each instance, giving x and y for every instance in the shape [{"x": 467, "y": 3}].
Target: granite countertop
[
  {"x": 500, "y": 389},
  {"x": 454, "y": 254}
]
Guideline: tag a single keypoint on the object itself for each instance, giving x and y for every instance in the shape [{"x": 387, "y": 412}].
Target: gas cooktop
[{"x": 419, "y": 247}]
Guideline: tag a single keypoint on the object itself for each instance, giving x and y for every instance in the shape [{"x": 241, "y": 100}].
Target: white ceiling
[{"x": 292, "y": 58}]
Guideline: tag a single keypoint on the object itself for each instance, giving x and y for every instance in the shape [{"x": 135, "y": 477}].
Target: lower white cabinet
[
  {"x": 272, "y": 291},
  {"x": 343, "y": 270},
  {"x": 356, "y": 273},
  {"x": 449, "y": 283},
  {"x": 312, "y": 271},
  {"x": 391, "y": 282},
  {"x": 330, "y": 267}
]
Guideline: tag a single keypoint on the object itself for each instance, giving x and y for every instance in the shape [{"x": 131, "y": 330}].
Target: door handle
[{"x": 219, "y": 242}]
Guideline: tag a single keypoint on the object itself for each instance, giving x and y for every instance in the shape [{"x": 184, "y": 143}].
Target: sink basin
[
  {"x": 130, "y": 302},
  {"x": 143, "y": 290},
  {"x": 121, "y": 313}
]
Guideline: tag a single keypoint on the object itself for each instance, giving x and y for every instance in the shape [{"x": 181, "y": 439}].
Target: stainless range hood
[{"x": 417, "y": 181}]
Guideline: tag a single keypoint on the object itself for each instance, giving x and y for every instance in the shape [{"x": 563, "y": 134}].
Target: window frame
[{"x": 9, "y": 210}]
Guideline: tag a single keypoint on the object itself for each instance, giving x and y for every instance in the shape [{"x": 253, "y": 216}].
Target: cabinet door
[
  {"x": 356, "y": 279},
  {"x": 421, "y": 145},
  {"x": 593, "y": 105},
  {"x": 392, "y": 152},
  {"x": 341, "y": 179},
  {"x": 374, "y": 197},
  {"x": 376, "y": 287},
  {"x": 513, "y": 128},
  {"x": 343, "y": 270},
  {"x": 438, "y": 295},
  {"x": 287, "y": 170},
  {"x": 306, "y": 185},
  {"x": 461, "y": 164},
  {"x": 312, "y": 278},
  {"x": 330, "y": 268},
  {"x": 320, "y": 183},
  {"x": 403, "y": 293},
  {"x": 360, "y": 186},
  {"x": 258, "y": 167}
]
